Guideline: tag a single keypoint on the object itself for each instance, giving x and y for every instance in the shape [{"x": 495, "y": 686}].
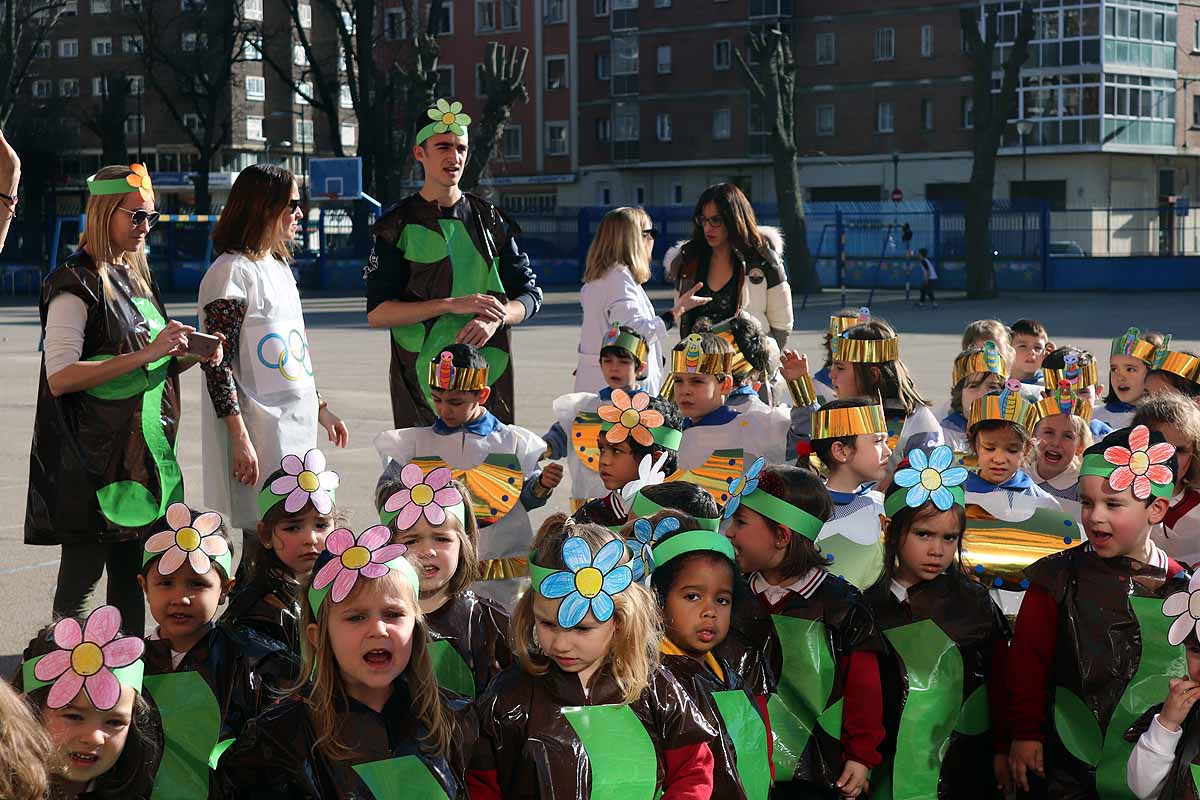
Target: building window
[
  {"x": 1196, "y": 111},
  {"x": 677, "y": 194},
  {"x": 827, "y": 48},
  {"x": 662, "y": 127},
  {"x": 102, "y": 46},
  {"x": 131, "y": 45},
  {"x": 885, "y": 44},
  {"x": 722, "y": 54},
  {"x": 510, "y": 143},
  {"x": 252, "y": 9},
  {"x": 70, "y": 8},
  {"x": 1196, "y": 37},
  {"x": 135, "y": 123},
  {"x": 101, "y": 6},
  {"x": 556, "y": 11},
  {"x": 556, "y": 138},
  {"x": 99, "y": 86},
  {"x": 192, "y": 122},
  {"x": 443, "y": 23},
  {"x": 68, "y": 87},
  {"x": 824, "y": 120},
  {"x": 600, "y": 8},
  {"x": 41, "y": 89},
  {"x": 304, "y": 90},
  {"x": 662, "y": 59},
  {"x": 252, "y": 48},
  {"x": 395, "y": 24},
  {"x": 254, "y": 129},
  {"x": 722, "y": 124},
  {"x": 445, "y": 81},
  {"x": 349, "y": 135},
  {"x": 603, "y": 66},
  {"x": 303, "y": 130},
  {"x": 299, "y": 57},
  {"x": 662, "y": 3},
  {"x": 556, "y": 73},
  {"x": 137, "y": 85},
  {"x": 603, "y": 130},
  {"x": 305, "y": 14},
  {"x": 926, "y": 114},
  {"x": 493, "y": 15},
  {"x": 604, "y": 194},
  {"x": 927, "y": 41},
  {"x": 639, "y": 195},
  {"x": 345, "y": 98},
  {"x": 885, "y": 117},
  {"x": 968, "y": 112},
  {"x": 42, "y": 49},
  {"x": 256, "y": 87}
]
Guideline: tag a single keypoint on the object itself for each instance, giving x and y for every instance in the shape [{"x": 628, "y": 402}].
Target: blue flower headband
[
  {"x": 744, "y": 490},
  {"x": 589, "y": 582},
  {"x": 928, "y": 478},
  {"x": 645, "y": 536}
]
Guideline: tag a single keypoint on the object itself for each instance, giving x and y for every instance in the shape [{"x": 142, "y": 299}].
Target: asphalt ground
[{"x": 351, "y": 365}]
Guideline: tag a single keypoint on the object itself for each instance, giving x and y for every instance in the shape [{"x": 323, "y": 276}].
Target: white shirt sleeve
[
  {"x": 65, "y": 320},
  {"x": 1151, "y": 759},
  {"x": 627, "y": 305}
]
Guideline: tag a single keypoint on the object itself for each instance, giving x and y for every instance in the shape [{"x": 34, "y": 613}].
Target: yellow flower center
[
  {"x": 308, "y": 481},
  {"x": 87, "y": 659},
  {"x": 187, "y": 539},
  {"x": 589, "y": 581},
  {"x": 931, "y": 479},
  {"x": 356, "y": 557},
  {"x": 422, "y": 494},
  {"x": 1139, "y": 462},
  {"x": 447, "y": 118},
  {"x": 630, "y": 418}
]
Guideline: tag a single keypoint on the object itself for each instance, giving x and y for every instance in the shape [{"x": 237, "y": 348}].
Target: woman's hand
[
  {"x": 171, "y": 341},
  {"x": 339, "y": 434},
  {"x": 792, "y": 365},
  {"x": 245, "y": 459},
  {"x": 689, "y": 300},
  {"x": 219, "y": 354}
]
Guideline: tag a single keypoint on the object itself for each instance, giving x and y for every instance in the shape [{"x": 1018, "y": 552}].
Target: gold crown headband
[
  {"x": 986, "y": 360},
  {"x": 1075, "y": 376},
  {"x": 738, "y": 365},
  {"x": 444, "y": 375},
  {"x": 839, "y": 323},
  {"x": 867, "y": 351},
  {"x": 692, "y": 358},
  {"x": 1181, "y": 364},
  {"x": 1063, "y": 401},
  {"x": 834, "y": 423},
  {"x": 1004, "y": 406}
]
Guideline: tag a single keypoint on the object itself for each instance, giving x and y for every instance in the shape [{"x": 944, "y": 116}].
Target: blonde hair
[
  {"x": 634, "y": 651},
  {"x": 990, "y": 330},
  {"x": 99, "y": 212},
  {"x": 619, "y": 241},
  {"x": 1083, "y": 440},
  {"x": 25, "y": 750},
  {"x": 467, "y": 571},
  {"x": 1169, "y": 408},
  {"x": 321, "y": 678}
]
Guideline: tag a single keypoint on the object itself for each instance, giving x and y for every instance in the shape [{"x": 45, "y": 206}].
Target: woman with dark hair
[
  {"x": 739, "y": 262},
  {"x": 264, "y": 390}
]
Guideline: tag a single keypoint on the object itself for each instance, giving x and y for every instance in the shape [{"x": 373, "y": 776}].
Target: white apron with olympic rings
[{"x": 273, "y": 370}]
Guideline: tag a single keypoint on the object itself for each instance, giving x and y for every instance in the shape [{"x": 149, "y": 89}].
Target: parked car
[{"x": 1066, "y": 248}]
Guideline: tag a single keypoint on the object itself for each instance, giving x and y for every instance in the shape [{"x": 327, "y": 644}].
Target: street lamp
[
  {"x": 280, "y": 143},
  {"x": 1024, "y": 128}
]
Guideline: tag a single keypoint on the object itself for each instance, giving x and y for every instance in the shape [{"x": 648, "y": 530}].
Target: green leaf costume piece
[
  {"x": 749, "y": 734},
  {"x": 191, "y": 720},
  {"x": 976, "y": 716},
  {"x": 934, "y": 668},
  {"x": 860, "y": 564},
  {"x": 128, "y": 503},
  {"x": 623, "y": 763},
  {"x": 1076, "y": 726},
  {"x": 804, "y": 688},
  {"x": 471, "y": 275},
  {"x": 451, "y": 670},
  {"x": 400, "y": 778}
]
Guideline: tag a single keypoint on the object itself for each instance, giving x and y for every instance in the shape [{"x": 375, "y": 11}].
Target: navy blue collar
[
  {"x": 718, "y": 416},
  {"x": 956, "y": 418},
  {"x": 742, "y": 391},
  {"x": 822, "y": 376},
  {"x": 482, "y": 425},
  {"x": 1118, "y": 407},
  {"x": 1016, "y": 483},
  {"x": 605, "y": 394},
  {"x": 846, "y": 498}
]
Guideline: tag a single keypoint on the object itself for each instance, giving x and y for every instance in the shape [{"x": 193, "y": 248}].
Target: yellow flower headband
[{"x": 139, "y": 181}]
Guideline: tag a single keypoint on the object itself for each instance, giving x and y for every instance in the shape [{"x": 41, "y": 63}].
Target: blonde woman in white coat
[{"x": 618, "y": 263}]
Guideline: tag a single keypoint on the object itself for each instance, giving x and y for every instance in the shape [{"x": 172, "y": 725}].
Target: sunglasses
[
  {"x": 141, "y": 217},
  {"x": 711, "y": 222},
  {"x": 650, "y": 233}
]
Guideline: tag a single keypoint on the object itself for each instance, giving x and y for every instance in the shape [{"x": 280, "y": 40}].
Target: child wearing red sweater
[
  {"x": 817, "y": 639},
  {"x": 1087, "y": 638}
]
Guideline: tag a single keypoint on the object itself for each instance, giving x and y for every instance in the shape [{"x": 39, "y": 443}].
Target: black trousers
[
  {"x": 79, "y": 571},
  {"x": 927, "y": 291}
]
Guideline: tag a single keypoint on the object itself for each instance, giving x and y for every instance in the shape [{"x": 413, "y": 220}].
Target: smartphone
[{"x": 202, "y": 345}]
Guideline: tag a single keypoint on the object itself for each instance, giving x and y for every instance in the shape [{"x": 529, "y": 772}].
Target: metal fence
[{"x": 1172, "y": 230}]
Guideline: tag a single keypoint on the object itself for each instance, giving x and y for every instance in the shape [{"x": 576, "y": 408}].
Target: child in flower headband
[
  {"x": 1133, "y": 353},
  {"x": 297, "y": 510},
  {"x": 588, "y": 704},
  {"x": 977, "y": 371},
  {"x": 933, "y": 612},
  {"x": 1109, "y": 589},
  {"x": 775, "y": 514},
  {"x": 431, "y": 515},
  {"x": 1178, "y": 420},
  {"x": 368, "y": 715},
  {"x": 83, "y": 681}
]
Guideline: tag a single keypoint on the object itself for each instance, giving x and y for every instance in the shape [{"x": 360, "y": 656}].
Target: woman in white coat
[{"x": 618, "y": 263}]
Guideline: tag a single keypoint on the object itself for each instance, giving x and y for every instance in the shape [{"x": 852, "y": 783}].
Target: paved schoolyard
[{"x": 351, "y": 363}]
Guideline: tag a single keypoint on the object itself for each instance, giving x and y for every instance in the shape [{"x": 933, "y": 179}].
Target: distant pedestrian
[
  {"x": 10, "y": 179},
  {"x": 928, "y": 278}
]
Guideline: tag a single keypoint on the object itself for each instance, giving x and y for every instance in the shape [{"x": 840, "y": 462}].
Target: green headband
[
  {"x": 691, "y": 542},
  {"x": 447, "y": 118},
  {"x": 784, "y": 513},
  {"x": 899, "y": 499},
  {"x": 198, "y": 542},
  {"x": 664, "y": 435},
  {"x": 1095, "y": 464},
  {"x": 137, "y": 181},
  {"x": 130, "y": 675},
  {"x": 402, "y": 565},
  {"x": 646, "y": 508}
]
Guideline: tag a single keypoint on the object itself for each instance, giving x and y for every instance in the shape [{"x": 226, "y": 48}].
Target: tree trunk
[
  {"x": 802, "y": 272},
  {"x": 203, "y": 195},
  {"x": 110, "y": 121}
]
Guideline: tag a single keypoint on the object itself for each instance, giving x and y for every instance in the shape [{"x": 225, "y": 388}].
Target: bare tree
[
  {"x": 24, "y": 25},
  {"x": 195, "y": 78},
  {"x": 772, "y": 83},
  {"x": 107, "y": 117},
  {"x": 503, "y": 88},
  {"x": 992, "y": 111}
]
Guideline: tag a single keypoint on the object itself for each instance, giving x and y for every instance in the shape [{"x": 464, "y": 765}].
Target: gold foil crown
[
  {"x": 1006, "y": 406},
  {"x": 986, "y": 360},
  {"x": 1182, "y": 364},
  {"x": 444, "y": 375},
  {"x": 692, "y": 358},
  {"x": 1079, "y": 372},
  {"x": 1064, "y": 401},
  {"x": 867, "y": 351},
  {"x": 839, "y": 323},
  {"x": 837, "y": 422}
]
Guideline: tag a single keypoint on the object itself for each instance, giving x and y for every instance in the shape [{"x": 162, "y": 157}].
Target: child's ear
[
  {"x": 310, "y": 633},
  {"x": 876, "y": 376},
  {"x": 264, "y": 536},
  {"x": 484, "y": 394},
  {"x": 727, "y": 385},
  {"x": 226, "y": 589},
  {"x": 1158, "y": 509},
  {"x": 783, "y": 537},
  {"x": 838, "y": 451},
  {"x": 142, "y": 583}
]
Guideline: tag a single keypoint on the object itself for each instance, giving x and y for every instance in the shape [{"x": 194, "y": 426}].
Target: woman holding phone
[
  {"x": 102, "y": 467},
  {"x": 261, "y": 401}
]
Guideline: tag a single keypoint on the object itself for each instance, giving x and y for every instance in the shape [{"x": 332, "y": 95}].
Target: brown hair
[
  {"x": 249, "y": 222},
  {"x": 619, "y": 241},
  {"x": 803, "y": 489},
  {"x": 26, "y": 747},
  {"x": 1028, "y": 327},
  {"x": 956, "y": 391},
  {"x": 1168, "y": 408},
  {"x": 467, "y": 571},
  {"x": 1153, "y": 337},
  {"x": 99, "y": 212},
  {"x": 634, "y": 651},
  {"x": 823, "y": 448},
  {"x": 898, "y": 526},
  {"x": 1023, "y": 435},
  {"x": 989, "y": 330},
  {"x": 740, "y": 223},
  {"x": 888, "y": 380}
]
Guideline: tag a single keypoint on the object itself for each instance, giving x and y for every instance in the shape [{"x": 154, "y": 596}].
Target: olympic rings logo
[{"x": 294, "y": 348}]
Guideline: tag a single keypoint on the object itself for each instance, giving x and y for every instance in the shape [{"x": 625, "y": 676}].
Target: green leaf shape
[
  {"x": 409, "y": 337},
  {"x": 191, "y": 720},
  {"x": 1158, "y": 663},
  {"x": 805, "y": 686},
  {"x": 749, "y": 735},
  {"x": 934, "y": 669},
  {"x": 975, "y": 716},
  {"x": 1076, "y": 726},
  {"x": 421, "y": 245},
  {"x": 214, "y": 757},
  {"x": 400, "y": 778},
  {"x": 621, "y": 756},
  {"x": 830, "y": 720},
  {"x": 1195, "y": 770},
  {"x": 860, "y": 564},
  {"x": 451, "y": 670}
]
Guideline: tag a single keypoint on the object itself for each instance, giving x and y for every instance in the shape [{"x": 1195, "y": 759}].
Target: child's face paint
[
  {"x": 579, "y": 650},
  {"x": 869, "y": 460},
  {"x": 844, "y": 379},
  {"x": 1031, "y": 352},
  {"x": 977, "y": 385},
  {"x": 928, "y": 548},
  {"x": 457, "y": 408},
  {"x": 299, "y": 539},
  {"x": 1000, "y": 454},
  {"x": 371, "y": 633},
  {"x": 1057, "y": 445},
  {"x": 89, "y": 741},
  {"x": 1127, "y": 376},
  {"x": 697, "y": 395},
  {"x": 434, "y": 550},
  {"x": 619, "y": 373},
  {"x": 1183, "y": 446},
  {"x": 756, "y": 541},
  {"x": 618, "y": 464},
  {"x": 184, "y": 602},
  {"x": 697, "y": 609},
  {"x": 1116, "y": 523}
]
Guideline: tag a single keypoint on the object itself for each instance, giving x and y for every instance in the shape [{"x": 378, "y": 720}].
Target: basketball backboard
[{"x": 335, "y": 178}]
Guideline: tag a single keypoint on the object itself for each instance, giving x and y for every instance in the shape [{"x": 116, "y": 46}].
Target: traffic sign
[{"x": 897, "y": 195}]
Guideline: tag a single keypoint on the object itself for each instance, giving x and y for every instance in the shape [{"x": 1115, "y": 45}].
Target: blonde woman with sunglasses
[{"x": 102, "y": 468}]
